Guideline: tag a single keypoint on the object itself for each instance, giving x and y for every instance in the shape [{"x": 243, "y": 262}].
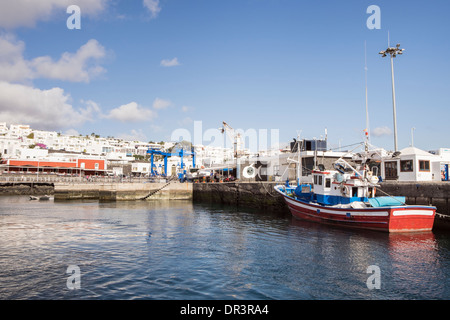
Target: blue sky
[{"x": 257, "y": 64}]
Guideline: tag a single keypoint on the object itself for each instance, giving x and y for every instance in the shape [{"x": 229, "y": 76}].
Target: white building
[
  {"x": 3, "y": 128},
  {"x": 140, "y": 168},
  {"x": 35, "y": 153},
  {"x": 19, "y": 130},
  {"x": 209, "y": 156},
  {"x": 412, "y": 164}
]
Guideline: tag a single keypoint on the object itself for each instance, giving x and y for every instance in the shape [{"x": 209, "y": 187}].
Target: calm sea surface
[{"x": 180, "y": 250}]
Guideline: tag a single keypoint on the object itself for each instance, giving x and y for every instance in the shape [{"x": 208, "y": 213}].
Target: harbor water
[{"x": 179, "y": 250}]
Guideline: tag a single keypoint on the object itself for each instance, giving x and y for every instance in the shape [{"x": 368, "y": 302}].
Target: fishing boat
[{"x": 348, "y": 197}]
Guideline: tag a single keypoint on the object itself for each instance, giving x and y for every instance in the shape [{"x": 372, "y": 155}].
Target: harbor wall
[
  {"x": 10, "y": 189},
  {"x": 261, "y": 195},
  {"x": 258, "y": 195},
  {"x": 123, "y": 191},
  {"x": 250, "y": 194},
  {"x": 420, "y": 193}
]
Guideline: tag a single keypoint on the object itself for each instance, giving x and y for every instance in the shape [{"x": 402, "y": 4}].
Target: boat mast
[
  {"x": 367, "y": 103},
  {"x": 315, "y": 154},
  {"x": 299, "y": 159}
]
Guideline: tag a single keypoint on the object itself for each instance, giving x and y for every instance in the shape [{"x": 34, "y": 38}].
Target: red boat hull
[{"x": 388, "y": 219}]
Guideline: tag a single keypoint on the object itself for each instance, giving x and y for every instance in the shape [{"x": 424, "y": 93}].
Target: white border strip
[{"x": 409, "y": 212}]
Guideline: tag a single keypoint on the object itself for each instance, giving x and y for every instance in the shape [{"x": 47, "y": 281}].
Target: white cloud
[
  {"x": 381, "y": 131},
  {"x": 159, "y": 104},
  {"x": 185, "y": 108},
  {"x": 170, "y": 63},
  {"x": 131, "y": 112},
  {"x": 13, "y": 67},
  {"x": 44, "y": 109},
  {"x": 153, "y": 7},
  {"x": 76, "y": 67},
  {"x": 26, "y": 13}
]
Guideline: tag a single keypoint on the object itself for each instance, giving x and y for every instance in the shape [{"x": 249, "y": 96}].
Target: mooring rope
[{"x": 157, "y": 190}]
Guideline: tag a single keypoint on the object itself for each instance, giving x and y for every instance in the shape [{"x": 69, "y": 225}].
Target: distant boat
[
  {"x": 44, "y": 197},
  {"x": 34, "y": 198},
  {"x": 346, "y": 197}
]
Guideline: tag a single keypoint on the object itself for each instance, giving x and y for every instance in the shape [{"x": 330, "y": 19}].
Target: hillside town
[{"x": 31, "y": 153}]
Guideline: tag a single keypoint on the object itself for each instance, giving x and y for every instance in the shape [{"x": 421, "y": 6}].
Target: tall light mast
[{"x": 393, "y": 52}]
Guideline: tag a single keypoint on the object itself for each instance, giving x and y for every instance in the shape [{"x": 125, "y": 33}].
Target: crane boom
[{"x": 234, "y": 137}]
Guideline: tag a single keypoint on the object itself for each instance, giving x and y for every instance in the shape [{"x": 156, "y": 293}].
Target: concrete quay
[{"x": 123, "y": 191}]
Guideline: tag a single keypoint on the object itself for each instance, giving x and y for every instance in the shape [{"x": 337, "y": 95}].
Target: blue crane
[{"x": 181, "y": 153}]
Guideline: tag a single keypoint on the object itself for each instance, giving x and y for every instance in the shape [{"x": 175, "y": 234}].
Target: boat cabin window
[
  {"x": 318, "y": 180},
  {"x": 327, "y": 183},
  {"x": 354, "y": 191}
]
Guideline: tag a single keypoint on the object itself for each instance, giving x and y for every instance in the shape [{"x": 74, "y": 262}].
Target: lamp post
[{"x": 393, "y": 53}]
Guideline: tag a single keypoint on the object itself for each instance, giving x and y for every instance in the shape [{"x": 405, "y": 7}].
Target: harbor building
[
  {"x": 79, "y": 166},
  {"x": 414, "y": 164}
]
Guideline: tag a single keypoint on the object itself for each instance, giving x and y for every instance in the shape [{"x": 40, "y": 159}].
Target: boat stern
[{"x": 411, "y": 219}]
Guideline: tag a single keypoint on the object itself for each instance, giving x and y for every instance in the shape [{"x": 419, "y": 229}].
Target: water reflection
[
  {"x": 411, "y": 264},
  {"x": 181, "y": 250}
]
